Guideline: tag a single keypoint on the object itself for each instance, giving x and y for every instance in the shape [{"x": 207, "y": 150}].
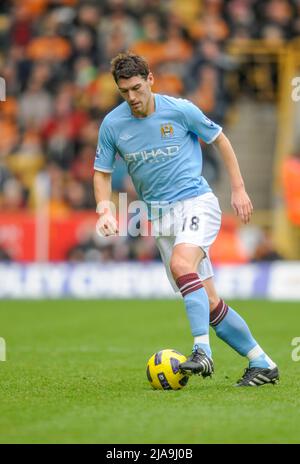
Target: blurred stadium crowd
[{"x": 55, "y": 58}]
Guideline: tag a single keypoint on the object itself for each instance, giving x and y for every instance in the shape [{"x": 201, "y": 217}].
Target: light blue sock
[
  {"x": 234, "y": 331},
  {"x": 197, "y": 308}
]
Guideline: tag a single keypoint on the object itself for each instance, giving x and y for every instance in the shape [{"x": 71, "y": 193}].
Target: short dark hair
[{"x": 127, "y": 65}]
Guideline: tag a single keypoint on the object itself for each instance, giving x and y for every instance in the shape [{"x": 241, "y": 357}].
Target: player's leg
[
  {"x": 196, "y": 223},
  {"x": 197, "y": 227},
  {"x": 182, "y": 273},
  {"x": 233, "y": 330},
  {"x": 184, "y": 263}
]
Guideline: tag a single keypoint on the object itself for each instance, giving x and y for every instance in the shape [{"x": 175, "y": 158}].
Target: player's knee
[{"x": 179, "y": 267}]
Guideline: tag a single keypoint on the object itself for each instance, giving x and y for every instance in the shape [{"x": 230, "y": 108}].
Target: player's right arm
[
  {"x": 106, "y": 224},
  {"x": 104, "y": 164}
]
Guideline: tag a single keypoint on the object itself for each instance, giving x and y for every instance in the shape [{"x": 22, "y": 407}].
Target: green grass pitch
[{"x": 76, "y": 373}]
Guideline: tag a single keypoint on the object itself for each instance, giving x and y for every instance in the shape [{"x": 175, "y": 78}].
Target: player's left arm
[{"x": 240, "y": 200}]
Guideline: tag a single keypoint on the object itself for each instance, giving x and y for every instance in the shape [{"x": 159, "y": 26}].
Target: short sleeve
[
  {"x": 106, "y": 152},
  {"x": 198, "y": 123}
]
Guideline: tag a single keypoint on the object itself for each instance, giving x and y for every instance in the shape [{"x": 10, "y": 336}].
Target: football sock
[
  {"x": 197, "y": 308},
  {"x": 234, "y": 331}
]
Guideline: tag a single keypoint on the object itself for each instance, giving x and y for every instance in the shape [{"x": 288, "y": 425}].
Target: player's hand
[
  {"x": 107, "y": 225},
  {"x": 242, "y": 205}
]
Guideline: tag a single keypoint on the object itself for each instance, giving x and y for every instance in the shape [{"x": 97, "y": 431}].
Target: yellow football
[{"x": 163, "y": 370}]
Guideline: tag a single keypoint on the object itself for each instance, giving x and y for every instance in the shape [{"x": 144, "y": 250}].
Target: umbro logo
[{"x": 126, "y": 137}]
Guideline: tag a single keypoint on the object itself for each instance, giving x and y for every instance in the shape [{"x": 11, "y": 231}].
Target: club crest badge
[{"x": 166, "y": 130}]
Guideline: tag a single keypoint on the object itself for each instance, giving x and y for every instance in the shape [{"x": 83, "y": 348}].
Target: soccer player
[{"x": 157, "y": 137}]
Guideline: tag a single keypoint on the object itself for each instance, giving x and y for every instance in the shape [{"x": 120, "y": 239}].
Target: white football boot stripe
[{"x": 262, "y": 377}]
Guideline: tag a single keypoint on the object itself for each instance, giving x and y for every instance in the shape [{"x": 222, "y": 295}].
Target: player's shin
[
  {"x": 197, "y": 307},
  {"x": 234, "y": 331}
]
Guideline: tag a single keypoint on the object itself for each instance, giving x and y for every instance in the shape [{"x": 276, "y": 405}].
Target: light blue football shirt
[{"x": 162, "y": 151}]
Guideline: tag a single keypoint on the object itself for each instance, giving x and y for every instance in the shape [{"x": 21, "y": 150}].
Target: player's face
[{"x": 137, "y": 92}]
